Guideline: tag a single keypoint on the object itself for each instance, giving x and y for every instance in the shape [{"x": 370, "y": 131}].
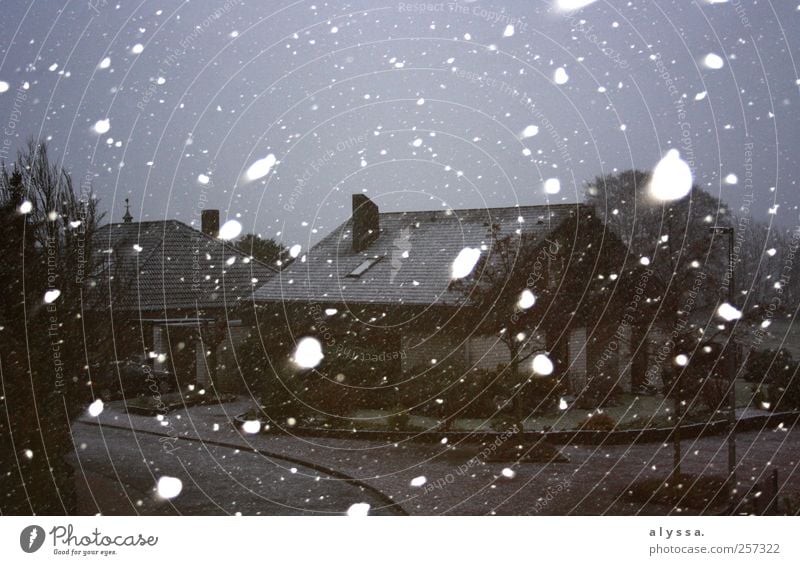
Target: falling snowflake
[
  {"x": 359, "y": 509},
  {"x": 713, "y": 61},
  {"x": 526, "y": 299},
  {"x": 251, "y": 427},
  {"x": 102, "y": 126},
  {"x": 96, "y": 408},
  {"x": 169, "y": 487},
  {"x": 260, "y": 168},
  {"x": 672, "y": 178},
  {"x": 51, "y": 296},
  {"x": 542, "y": 365},
  {"x": 464, "y": 262},
  {"x": 308, "y": 353},
  {"x": 552, "y": 186},
  {"x": 728, "y": 312}
]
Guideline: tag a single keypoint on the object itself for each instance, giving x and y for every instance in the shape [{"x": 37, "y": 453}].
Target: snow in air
[
  {"x": 418, "y": 481},
  {"x": 713, "y": 61},
  {"x": 202, "y": 179},
  {"x": 681, "y": 360},
  {"x": 569, "y": 5},
  {"x": 294, "y": 251},
  {"x": 169, "y": 487},
  {"x": 51, "y": 296},
  {"x": 230, "y": 230},
  {"x": 731, "y": 179},
  {"x": 102, "y": 126},
  {"x": 359, "y": 509},
  {"x": 542, "y": 364},
  {"x": 560, "y": 76},
  {"x": 672, "y": 178},
  {"x": 728, "y": 312},
  {"x": 26, "y": 207},
  {"x": 509, "y": 473},
  {"x": 138, "y": 48},
  {"x": 308, "y": 353},
  {"x": 552, "y": 186},
  {"x": 260, "y": 168},
  {"x": 529, "y": 131},
  {"x": 526, "y": 299},
  {"x": 3, "y": 86},
  {"x": 251, "y": 427},
  {"x": 509, "y": 31},
  {"x": 464, "y": 263},
  {"x": 96, "y": 408},
  {"x": 105, "y": 63}
]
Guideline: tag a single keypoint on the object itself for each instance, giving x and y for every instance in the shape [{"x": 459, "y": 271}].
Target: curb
[{"x": 586, "y": 437}]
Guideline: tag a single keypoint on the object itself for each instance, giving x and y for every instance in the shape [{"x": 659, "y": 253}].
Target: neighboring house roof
[
  {"x": 415, "y": 250},
  {"x": 167, "y": 265}
]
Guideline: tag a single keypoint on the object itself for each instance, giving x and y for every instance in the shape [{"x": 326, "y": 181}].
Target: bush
[
  {"x": 398, "y": 420},
  {"x": 713, "y": 395},
  {"x": 599, "y": 392},
  {"x": 757, "y": 366},
  {"x": 278, "y": 391},
  {"x": 598, "y": 422},
  {"x": 778, "y": 379}
]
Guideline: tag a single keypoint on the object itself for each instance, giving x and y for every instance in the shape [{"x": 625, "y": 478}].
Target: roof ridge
[
  {"x": 456, "y": 210},
  {"x": 194, "y": 231}
]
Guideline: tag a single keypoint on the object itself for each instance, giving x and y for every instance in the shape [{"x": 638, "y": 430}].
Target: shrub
[
  {"x": 598, "y": 422},
  {"x": 757, "y": 366},
  {"x": 278, "y": 391},
  {"x": 599, "y": 392},
  {"x": 398, "y": 420},
  {"x": 713, "y": 395},
  {"x": 778, "y": 379}
]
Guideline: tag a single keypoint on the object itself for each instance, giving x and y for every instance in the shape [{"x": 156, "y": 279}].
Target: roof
[
  {"x": 165, "y": 265},
  {"x": 415, "y": 250}
]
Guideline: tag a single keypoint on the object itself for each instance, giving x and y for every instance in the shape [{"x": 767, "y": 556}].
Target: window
[{"x": 364, "y": 266}]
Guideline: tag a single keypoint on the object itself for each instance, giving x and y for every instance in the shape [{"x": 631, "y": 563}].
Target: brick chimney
[
  {"x": 366, "y": 222},
  {"x": 209, "y": 222}
]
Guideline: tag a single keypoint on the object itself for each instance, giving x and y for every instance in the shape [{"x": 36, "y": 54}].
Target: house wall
[
  {"x": 421, "y": 349},
  {"x": 483, "y": 352},
  {"x": 577, "y": 358},
  {"x": 228, "y": 377}
]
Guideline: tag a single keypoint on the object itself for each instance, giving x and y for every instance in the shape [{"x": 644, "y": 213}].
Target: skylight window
[{"x": 364, "y": 266}]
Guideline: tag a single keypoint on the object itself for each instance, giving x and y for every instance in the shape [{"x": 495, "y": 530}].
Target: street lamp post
[{"x": 731, "y": 362}]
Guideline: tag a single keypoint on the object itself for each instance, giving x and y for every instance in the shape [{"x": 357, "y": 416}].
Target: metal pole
[{"x": 731, "y": 370}]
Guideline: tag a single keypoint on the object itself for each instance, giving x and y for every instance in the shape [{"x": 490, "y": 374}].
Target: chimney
[
  {"x": 209, "y": 222},
  {"x": 366, "y": 222}
]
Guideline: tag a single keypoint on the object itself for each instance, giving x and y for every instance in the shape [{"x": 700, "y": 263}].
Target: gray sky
[{"x": 421, "y": 106}]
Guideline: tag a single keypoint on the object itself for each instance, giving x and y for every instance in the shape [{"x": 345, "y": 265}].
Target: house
[
  {"x": 379, "y": 291},
  {"x": 172, "y": 293}
]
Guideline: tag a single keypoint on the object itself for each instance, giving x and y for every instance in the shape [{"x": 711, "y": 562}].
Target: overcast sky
[{"x": 457, "y": 104}]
